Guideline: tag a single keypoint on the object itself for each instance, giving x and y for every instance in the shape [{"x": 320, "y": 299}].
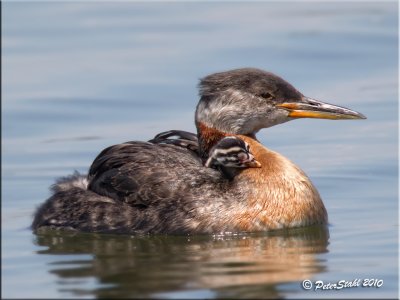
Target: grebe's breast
[{"x": 279, "y": 194}]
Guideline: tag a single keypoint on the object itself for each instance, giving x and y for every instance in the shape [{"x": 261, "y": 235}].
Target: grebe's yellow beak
[{"x": 311, "y": 108}]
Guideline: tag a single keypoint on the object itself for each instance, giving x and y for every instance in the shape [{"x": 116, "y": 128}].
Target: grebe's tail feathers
[{"x": 76, "y": 180}]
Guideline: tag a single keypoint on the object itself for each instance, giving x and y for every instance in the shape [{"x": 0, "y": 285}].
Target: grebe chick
[
  {"x": 143, "y": 187},
  {"x": 231, "y": 155}
]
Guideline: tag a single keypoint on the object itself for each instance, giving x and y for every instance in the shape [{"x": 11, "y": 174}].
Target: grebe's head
[
  {"x": 231, "y": 152},
  {"x": 243, "y": 101}
]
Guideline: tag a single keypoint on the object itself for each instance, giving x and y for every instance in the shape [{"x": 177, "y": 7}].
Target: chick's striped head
[{"x": 231, "y": 152}]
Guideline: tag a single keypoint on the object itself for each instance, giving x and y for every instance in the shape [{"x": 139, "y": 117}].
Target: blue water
[{"x": 80, "y": 76}]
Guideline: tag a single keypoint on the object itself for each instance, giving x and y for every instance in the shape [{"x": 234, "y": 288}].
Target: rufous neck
[{"x": 208, "y": 137}]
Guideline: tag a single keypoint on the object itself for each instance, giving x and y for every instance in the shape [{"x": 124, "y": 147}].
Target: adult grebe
[{"x": 143, "y": 187}]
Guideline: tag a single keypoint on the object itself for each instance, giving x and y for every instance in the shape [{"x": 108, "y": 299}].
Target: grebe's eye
[{"x": 266, "y": 95}]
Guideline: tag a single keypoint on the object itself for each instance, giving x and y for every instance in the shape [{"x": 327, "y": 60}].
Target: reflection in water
[{"x": 238, "y": 265}]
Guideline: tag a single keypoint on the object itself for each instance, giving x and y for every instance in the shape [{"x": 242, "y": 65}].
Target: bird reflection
[{"x": 237, "y": 265}]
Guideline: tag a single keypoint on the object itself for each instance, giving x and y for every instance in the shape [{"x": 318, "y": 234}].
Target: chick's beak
[
  {"x": 251, "y": 162},
  {"x": 311, "y": 108},
  {"x": 254, "y": 164}
]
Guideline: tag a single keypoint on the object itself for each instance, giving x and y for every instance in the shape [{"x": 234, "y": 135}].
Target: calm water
[{"x": 79, "y": 76}]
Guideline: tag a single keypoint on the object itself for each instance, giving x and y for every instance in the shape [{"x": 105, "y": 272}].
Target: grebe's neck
[
  {"x": 280, "y": 192},
  {"x": 208, "y": 137}
]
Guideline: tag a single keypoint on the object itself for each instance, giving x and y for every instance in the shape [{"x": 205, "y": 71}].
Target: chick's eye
[{"x": 242, "y": 156}]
